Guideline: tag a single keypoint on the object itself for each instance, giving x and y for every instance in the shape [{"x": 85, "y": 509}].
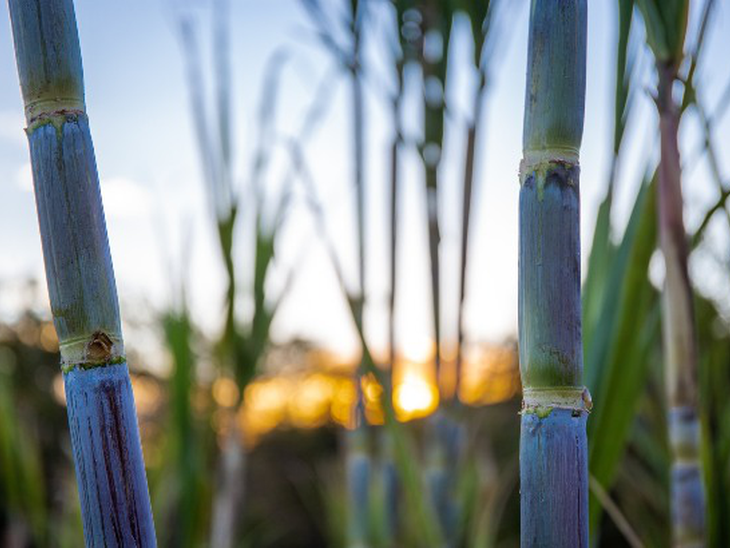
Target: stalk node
[
  {"x": 56, "y": 118},
  {"x": 96, "y": 350},
  {"x": 541, "y": 401},
  {"x": 539, "y": 162}
]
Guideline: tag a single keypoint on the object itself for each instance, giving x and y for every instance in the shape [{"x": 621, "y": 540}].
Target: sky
[{"x": 159, "y": 227}]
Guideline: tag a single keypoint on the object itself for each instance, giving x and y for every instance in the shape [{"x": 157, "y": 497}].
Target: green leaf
[
  {"x": 625, "y": 332},
  {"x": 714, "y": 344},
  {"x": 666, "y": 27}
]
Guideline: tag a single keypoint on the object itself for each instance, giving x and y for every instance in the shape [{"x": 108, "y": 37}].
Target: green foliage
[
  {"x": 625, "y": 62},
  {"x": 666, "y": 25},
  {"x": 21, "y": 476},
  {"x": 182, "y": 495},
  {"x": 714, "y": 340},
  {"x": 619, "y": 340}
]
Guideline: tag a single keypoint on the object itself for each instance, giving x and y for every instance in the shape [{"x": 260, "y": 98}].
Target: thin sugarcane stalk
[
  {"x": 434, "y": 53},
  {"x": 553, "y": 444},
  {"x": 479, "y": 27},
  {"x": 105, "y": 439},
  {"x": 666, "y": 26},
  {"x": 404, "y": 453},
  {"x": 229, "y": 495},
  {"x": 393, "y": 247},
  {"x": 403, "y": 52},
  {"x": 435, "y": 37},
  {"x": 680, "y": 346},
  {"x": 357, "y": 456},
  {"x": 216, "y": 156},
  {"x": 467, "y": 199},
  {"x": 389, "y": 472}
]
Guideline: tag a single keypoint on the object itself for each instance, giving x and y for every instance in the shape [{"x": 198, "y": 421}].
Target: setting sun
[{"x": 414, "y": 396}]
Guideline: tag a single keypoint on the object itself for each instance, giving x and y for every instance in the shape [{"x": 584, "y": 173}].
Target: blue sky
[{"x": 138, "y": 103}]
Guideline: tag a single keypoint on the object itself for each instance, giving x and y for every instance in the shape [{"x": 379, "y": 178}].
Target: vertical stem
[
  {"x": 393, "y": 229},
  {"x": 221, "y": 16},
  {"x": 435, "y": 39},
  {"x": 358, "y": 459},
  {"x": 389, "y": 472},
  {"x": 680, "y": 347},
  {"x": 465, "y": 223},
  {"x": 436, "y": 24},
  {"x": 553, "y": 445},
  {"x": 105, "y": 439}
]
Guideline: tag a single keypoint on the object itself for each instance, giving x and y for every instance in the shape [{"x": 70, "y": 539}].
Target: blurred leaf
[
  {"x": 602, "y": 253},
  {"x": 602, "y": 249},
  {"x": 21, "y": 475},
  {"x": 625, "y": 62},
  {"x": 666, "y": 26},
  {"x": 180, "y": 485},
  {"x": 714, "y": 344},
  {"x": 626, "y": 329}
]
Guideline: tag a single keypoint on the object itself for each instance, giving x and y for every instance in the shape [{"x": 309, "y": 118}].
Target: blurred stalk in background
[
  {"x": 444, "y": 435},
  {"x": 666, "y": 26},
  {"x": 348, "y": 53},
  {"x": 110, "y": 469},
  {"x": 401, "y": 51},
  {"x": 241, "y": 346}
]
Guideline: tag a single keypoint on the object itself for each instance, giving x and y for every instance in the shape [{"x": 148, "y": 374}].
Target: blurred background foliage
[{"x": 239, "y": 422}]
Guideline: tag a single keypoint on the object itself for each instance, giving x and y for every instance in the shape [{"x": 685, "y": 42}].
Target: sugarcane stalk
[
  {"x": 666, "y": 29},
  {"x": 391, "y": 481},
  {"x": 110, "y": 470},
  {"x": 434, "y": 46},
  {"x": 389, "y": 472},
  {"x": 466, "y": 206},
  {"x": 553, "y": 444},
  {"x": 479, "y": 33},
  {"x": 678, "y": 326},
  {"x": 402, "y": 444},
  {"x": 435, "y": 33}
]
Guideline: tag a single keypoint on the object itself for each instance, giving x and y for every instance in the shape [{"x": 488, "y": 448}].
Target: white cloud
[
  {"x": 23, "y": 177},
  {"x": 11, "y": 128},
  {"x": 125, "y": 198}
]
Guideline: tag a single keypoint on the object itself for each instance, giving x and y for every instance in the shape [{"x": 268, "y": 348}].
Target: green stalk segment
[
  {"x": 105, "y": 440},
  {"x": 553, "y": 445}
]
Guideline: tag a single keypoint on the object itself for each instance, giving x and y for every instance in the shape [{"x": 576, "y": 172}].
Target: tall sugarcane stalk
[
  {"x": 359, "y": 469},
  {"x": 403, "y": 450},
  {"x": 478, "y": 13},
  {"x": 215, "y": 150},
  {"x": 680, "y": 349},
  {"x": 553, "y": 444},
  {"x": 666, "y": 26},
  {"x": 349, "y": 56},
  {"x": 105, "y": 439},
  {"x": 240, "y": 348},
  {"x": 436, "y": 20},
  {"x": 389, "y": 472},
  {"x": 436, "y": 29}
]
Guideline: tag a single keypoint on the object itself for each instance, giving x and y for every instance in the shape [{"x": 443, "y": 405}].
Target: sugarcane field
[{"x": 365, "y": 274}]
